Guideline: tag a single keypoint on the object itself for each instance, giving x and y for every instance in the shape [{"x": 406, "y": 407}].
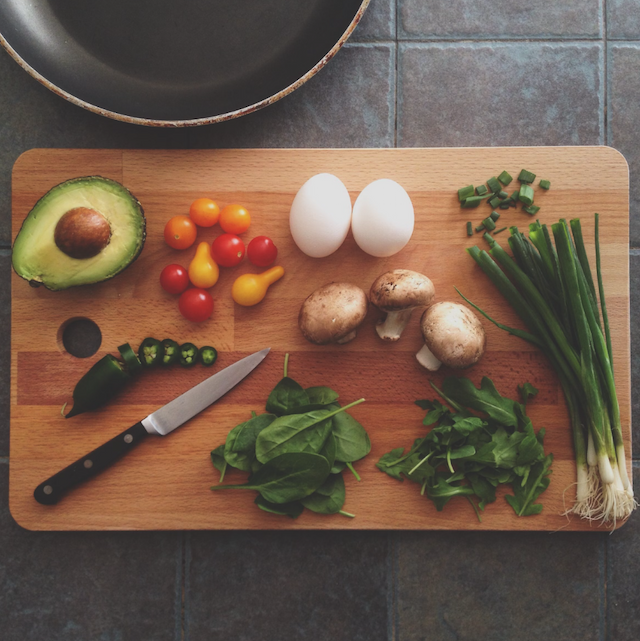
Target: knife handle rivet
[
  {"x": 128, "y": 438},
  {"x": 47, "y": 489},
  {"x": 88, "y": 463}
]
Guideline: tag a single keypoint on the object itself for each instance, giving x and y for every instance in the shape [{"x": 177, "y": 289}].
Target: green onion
[
  {"x": 488, "y": 224},
  {"x": 481, "y": 190},
  {"x": 494, "y": 215},
  {"x": 505, "y": 204},
  {"x": 495, "y": 202},
  {"x": 526, "y": 194},
  {"x": 465, "y": 192},
  {"x": 526, "y": 176},
  {"x": 480, "y": 228},
  {"x": 503, "y": 195},
  {"x": 552, "y": 291},
  {"x": 472, "y": 201},
  {"x": 494, "y": 185},
  {"x": 469, "y": 229},
  {"x": 505, "y": 178},
  {"x": 515, "y": 195},
  {"x": 497, "y": 231},
  {"x": 545, "y": 184},
  {"x": 532, "y": 210}
]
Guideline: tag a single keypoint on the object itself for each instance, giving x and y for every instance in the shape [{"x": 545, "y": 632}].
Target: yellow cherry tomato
[
  {"x": 204, "y": 212},
  {"x": 203, "y": 271},
  {"x": 235, "y": 219},
  {"x": 250, "y": 289}
]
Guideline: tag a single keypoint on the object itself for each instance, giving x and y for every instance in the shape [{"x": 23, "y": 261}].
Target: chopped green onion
[
  {"x": 465, "y": 192},
  {"x": 472, "y": 201},
  {"x": 515, "y": 195},
  {"x": 488, "y": 224},
  {"x": 480, "y": 228},
  {"x": 481, "y": 190},
  {"x": 545, "y": 184},
  {"x": 503, "y": 195},
  {"x": 526, "y": 194},
  {"x": 505, "y": 204},
  {"x": 494, "y": 185},
  {"x": 497, "y": 231},
  {"x": 505, "y": 178},
  {"x": 494, "y": 202},
  {"x": 526, "y": 176},
  {"x": 532, "y": 210},
  {"x": 494, "y": 215},
  {"x": 469, "y": 229}
]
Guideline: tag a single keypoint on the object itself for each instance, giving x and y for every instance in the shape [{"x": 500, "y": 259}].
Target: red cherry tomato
[
  {"x": 227, "y": 250},
  {"x": 196, "y": 305},
  {"x": 261, "y": 251},
  {"x": 174, "y": 279}
]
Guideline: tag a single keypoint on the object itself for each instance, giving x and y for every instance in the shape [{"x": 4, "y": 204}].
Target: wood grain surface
[{"x": 164, "y": 484}]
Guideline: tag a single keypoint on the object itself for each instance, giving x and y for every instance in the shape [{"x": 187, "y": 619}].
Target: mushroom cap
[
  {"x": 332, "y": 312},
  {"x": 401, "y": 289},
  {"x": 453, "y": 333}
]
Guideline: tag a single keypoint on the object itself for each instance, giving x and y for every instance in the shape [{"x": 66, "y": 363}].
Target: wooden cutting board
[{"x": 164, "y": 483}]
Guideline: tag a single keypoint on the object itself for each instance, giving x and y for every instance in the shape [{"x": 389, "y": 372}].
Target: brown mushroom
[
  {"x": 332, "y": 313},
  {"x": 398, "y": 293},
  {"x": 452, "y": 334}
]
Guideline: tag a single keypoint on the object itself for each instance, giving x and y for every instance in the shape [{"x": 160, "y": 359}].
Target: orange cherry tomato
[
  {"x": 180, "y": 232},
  {"x": 235, "y": 219},
  {"x": 204, "y": 212}
]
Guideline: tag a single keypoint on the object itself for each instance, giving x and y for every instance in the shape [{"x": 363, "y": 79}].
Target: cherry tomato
[
  {"x": 174, "y": 279},
  {"x": 261, "y": 251},
  {"x": 180, "y": 232},
  {"x": 204, "y": 212},
  {"x": 196, "y": 305},
  {"x": 235, "y": 219},
  {"x": 227, "y": 250}
]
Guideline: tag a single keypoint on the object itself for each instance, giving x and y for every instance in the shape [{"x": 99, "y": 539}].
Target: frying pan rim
[{"x": 194, "y": 122}]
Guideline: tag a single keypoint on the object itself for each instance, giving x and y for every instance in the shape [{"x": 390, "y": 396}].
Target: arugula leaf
[
  {"x": 523, "y": 499},
  {"x": 527, "y": 391},
  {"x": 483, "y": 489},
  {"x": 443, "y": 491}
]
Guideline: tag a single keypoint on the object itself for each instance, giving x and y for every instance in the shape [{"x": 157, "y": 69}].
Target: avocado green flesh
[{"x": 37, "y": 258}]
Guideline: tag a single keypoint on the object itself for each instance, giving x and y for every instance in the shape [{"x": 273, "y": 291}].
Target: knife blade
[{"x": 159, "y": 423}]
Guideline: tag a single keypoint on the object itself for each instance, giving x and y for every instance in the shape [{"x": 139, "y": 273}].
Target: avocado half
[{"x": 84, "y": 230}]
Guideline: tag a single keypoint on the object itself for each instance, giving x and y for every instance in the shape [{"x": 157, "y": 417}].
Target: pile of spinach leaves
[
  {"x": 295, "y": 453},
  {"x": 477, "y": 443}
]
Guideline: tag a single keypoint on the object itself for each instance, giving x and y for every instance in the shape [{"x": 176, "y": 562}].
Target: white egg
[
  {"x": 383, "y": 218},
  {"x": 320, "y": 215}
]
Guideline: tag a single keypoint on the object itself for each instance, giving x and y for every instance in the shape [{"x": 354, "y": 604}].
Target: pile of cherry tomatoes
[{"x": 227, "y": 250}]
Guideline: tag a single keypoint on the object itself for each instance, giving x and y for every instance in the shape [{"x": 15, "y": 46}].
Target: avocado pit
[{"x": 82, "y": 233}]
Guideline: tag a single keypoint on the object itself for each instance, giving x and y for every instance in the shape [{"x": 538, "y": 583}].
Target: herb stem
[
  {"x": 286, "y": 364},
  {"x": 351, "y": 516},
  {"x": 353, "y": 469}
]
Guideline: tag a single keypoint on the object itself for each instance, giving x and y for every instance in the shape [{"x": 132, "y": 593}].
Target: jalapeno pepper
[
  {"x": 188, "y": 354},
  {"x": 98, "y": 385},
  {"x": 207, "y": 355},
  {"x": 150, "y": 352},
  {"x": 171, "y": 352},
  {"x": 131, "y": 361}
]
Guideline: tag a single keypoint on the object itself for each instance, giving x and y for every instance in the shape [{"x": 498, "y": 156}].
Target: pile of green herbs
[
  {"x": 551, "y": 288},
  {"x": 482, "y": 440},
  {"x": 295, "y": 453}
]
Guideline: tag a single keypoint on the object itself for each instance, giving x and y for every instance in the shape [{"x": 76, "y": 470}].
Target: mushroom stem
[
  {"x": 393, "y": 325},
  {"x": 426, "y": 358},
  {"x": 345, "y": 339}
]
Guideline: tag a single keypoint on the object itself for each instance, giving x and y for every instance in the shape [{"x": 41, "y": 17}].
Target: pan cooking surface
[{"x": 174, "y": 60}]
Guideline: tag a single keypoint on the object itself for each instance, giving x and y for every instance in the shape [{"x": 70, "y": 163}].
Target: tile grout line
[
  {"x": 605, "y": 71},
  {"x": 186, "y": 558}
]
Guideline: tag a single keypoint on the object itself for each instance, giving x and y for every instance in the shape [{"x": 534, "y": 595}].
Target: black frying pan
[{"x": 175, "y": 62}]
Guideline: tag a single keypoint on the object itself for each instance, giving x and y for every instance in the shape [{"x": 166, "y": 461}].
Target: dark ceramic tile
[
  {"x": 495, "y": 586},
  {"x": 272, "y": 586},
  {"x": 499, "y": 19},
  {"x": 623, "y": 19},
  {"x": 501, "y": 94},
  {"x": 78, "y": 586},
  {"x": 623, "y": 597},
  {"x": 349, "y": 103},
  {"x": 623, "y": 112},
  {"x": 378, "y": 23},
  {"x": 5, "y": 348},
  {"x": 32, "y": 116},
  {"x": 634, "y": 289}
]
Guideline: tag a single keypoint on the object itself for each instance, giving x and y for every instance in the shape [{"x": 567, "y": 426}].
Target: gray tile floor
[{"x": 416, "y": 73}]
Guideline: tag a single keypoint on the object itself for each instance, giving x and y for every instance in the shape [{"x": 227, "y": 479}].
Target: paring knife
[{"x": 161, "y": 422}]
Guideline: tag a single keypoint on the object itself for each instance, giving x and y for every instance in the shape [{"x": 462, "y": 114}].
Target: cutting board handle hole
[{"x": 80, "y": 337}]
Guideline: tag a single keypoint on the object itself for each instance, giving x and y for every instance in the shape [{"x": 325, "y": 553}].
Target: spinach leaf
[
  {"x": 286, "y": 478},
  {"x": 328, "y": 498},
  {"x": 239, "y": 450},
  {"x": 321, "y": 395},
  {"x": 352, "y": 440},
  {"x": 218, "y": 460},
  {"x": 338, "y": 467},
  {"x": 292, "y": 510},
  {"x": 286, "y": 395},
  {"x": 329, "y": 450}
]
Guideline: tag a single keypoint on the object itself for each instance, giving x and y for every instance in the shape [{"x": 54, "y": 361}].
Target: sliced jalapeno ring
[
  {"x": 207, "y": 355},
  {"x": 171, "y": 353},
  {"x": 131, "y": 361},
  {"x": 150, "y": 352},
  {"x": 188, "y": 354}
]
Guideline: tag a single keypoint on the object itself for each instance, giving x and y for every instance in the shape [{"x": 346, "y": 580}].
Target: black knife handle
[{"x": 50, "y": 491}]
